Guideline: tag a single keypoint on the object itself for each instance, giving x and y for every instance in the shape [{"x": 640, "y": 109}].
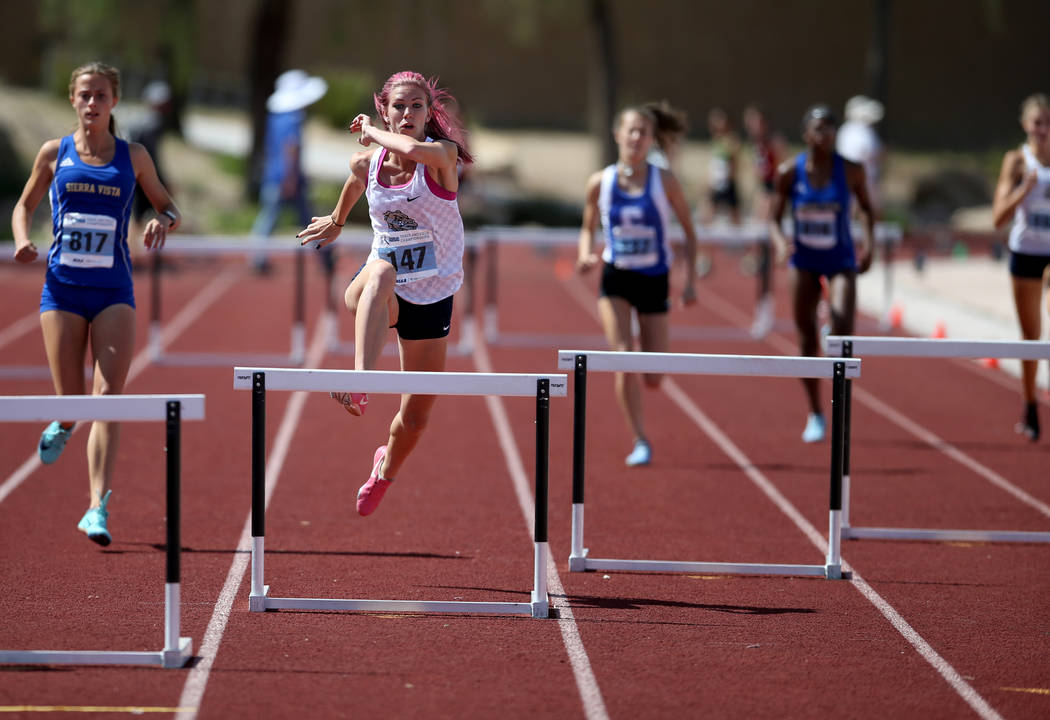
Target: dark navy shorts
[
  {"x": 423, "y": 322},
  {"x": 1023, "y": 265},
  {"x": 645, "y": 293},
  {"x": 83, "y": 300}
]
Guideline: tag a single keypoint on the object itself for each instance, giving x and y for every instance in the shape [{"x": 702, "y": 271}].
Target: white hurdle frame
[
  {"x": 542, "y": 387},
  {"x": 838, "y": 370},
  {"x": 846, "y": 345},
  {"x": 202, "y": 245},
  {"x": 492, "y": 236},
  {"x": 172, "y": 409}
]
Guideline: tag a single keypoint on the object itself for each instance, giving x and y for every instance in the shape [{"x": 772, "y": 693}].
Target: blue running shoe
[
  {"x": 53, "y": 442},
  {"x": 815, "y": 428},
  {"x": 93, "y": 524},
  {"x": 641, "y": 455}
]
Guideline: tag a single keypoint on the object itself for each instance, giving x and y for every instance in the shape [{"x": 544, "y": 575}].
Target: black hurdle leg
[
  {"x": 578, "y": 553},
  {"x": 173, "y": 446},
  {"x": 257, "y": 599},
  {"x": 540, "y": 606},
  {"x": 833, "y": 568},
  {"x": 847, "y": 432}
]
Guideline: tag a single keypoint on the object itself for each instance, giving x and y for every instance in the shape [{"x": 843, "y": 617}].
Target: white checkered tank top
[{"x": 418, "y": 229}]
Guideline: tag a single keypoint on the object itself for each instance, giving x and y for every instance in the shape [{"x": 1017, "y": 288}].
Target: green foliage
[
  {"x": 349, "y": 93},
  {"x": 325, "y": 195},
  {"x": 235, "y": 165}
]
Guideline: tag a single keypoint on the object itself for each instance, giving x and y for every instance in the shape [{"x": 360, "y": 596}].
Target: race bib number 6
[
  {"x": 411, "y": 252},
  {"x": 88, "y": 240}
]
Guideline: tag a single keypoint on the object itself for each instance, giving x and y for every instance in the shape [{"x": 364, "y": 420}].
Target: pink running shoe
[
  {"x": 372, "y": 492},
  {"x": 353, "y": 403}
]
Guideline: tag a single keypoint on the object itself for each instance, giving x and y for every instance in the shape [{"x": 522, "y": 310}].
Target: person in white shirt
[
  {"x": 1023, "y": 196},
  {"x": 858, "y": 141}
]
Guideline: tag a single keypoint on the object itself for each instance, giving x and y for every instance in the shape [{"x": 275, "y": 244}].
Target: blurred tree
[
  {"x": 266, "y": 52},
  {"x": 877, "y": 65},
  {"x": 605, "y": 76},
  {"x": 524, "y": 20},
  {"x": 145, "y": 41}
]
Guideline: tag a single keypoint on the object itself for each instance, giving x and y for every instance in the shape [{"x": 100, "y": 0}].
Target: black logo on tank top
[{"x": 397, "y": 220}]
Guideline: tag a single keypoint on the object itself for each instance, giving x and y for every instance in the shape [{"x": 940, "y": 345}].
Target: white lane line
[
  {"x": 586, "y": 682},
  {"x": 925, "y": 650},
  {"x": 19, "y": 328},
  {"x": 186, "y": 317},
  {"x": 950, "y": 674},
  {"x": 197, "y": 679},
  {"x": 896, "y": 417}
]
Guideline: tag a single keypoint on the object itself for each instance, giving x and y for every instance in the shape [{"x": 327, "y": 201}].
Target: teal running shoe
[
  {"x": 642, "y": 454},
  {"x": 53, "y": 442},
  {"x": 815, "y": 428},
  {"x": 93, "y": 524}
]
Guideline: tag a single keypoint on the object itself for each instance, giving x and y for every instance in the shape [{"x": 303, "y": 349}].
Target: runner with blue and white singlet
[
  {"x": 88, "y": 298},
  {"x": 819, "y": 184},
  {"x": 410, "y": 180},
  {"x": 1022, "y": 196},
  {"x": 635, "y": 201}
]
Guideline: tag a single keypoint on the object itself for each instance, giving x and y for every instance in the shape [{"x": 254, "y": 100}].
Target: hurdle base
[
  {"x": 257, "y": 603},
  {"x": 578, "y": 563},
  {"x": 878, "y": 533},
  {"x": 540, "y": 606},
  {"x": 833, "y": 571},
  {"x": 717, "y": 568},
  {"x": 405, "y": 606},
  {"x": 176, "y": 658},
  {"x": 179, "y": 656}
]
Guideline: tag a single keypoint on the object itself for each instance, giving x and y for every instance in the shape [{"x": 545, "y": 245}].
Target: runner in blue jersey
[
  {"x": 818, "y": 184},
  {"x": 635, "y": 202},
  {"x": 88, "y": 297}
]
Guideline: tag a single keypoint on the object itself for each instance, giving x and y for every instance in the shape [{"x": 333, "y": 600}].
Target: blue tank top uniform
[
  {"x": 823, "y": 243},
  {"x": 635, "y": 226},
  {"x": 89, "y": 264}
]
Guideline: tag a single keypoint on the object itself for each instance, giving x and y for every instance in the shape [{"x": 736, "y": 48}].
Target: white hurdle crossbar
[
  {"x": 225, "y": 246},
  {"x": 839, "y": 370},
  {"x": 542, "y": 387},
  {"x": 846, "y": 346},
  {"x": 172, "y": 409},
  {"x": 492, "y": 236}
]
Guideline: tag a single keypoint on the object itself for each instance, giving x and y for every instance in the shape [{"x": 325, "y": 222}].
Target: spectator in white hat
[
  {"x": 283, "y": 182},
  {"x": 858, "y": 141}
]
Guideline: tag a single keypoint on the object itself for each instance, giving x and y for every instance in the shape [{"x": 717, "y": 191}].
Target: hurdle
[
  {"x": 846, "y": 345},
  {"x": 542, "y": 387},
  {"x": 490, "y": 237},
  {"x": 583, "y": 361},
  {"x": 172, "y": 409},
  {"x": 219, "y": 246}
]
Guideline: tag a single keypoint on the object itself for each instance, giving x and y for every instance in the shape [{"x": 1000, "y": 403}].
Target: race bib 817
[{"x": 88, "y": 240}]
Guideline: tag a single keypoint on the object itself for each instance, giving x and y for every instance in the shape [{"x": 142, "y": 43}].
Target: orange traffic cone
[
  {"x": 990, "y": 363},
  {"x": 896, "y": 317},
  {"x": 939, "y": 331}
]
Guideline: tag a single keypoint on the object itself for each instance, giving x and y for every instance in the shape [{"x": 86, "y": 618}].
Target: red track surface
[{"x": 642, "y": 645}]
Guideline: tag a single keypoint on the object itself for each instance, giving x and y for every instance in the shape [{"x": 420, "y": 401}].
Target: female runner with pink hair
[{"x": 409, "y": 177}]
